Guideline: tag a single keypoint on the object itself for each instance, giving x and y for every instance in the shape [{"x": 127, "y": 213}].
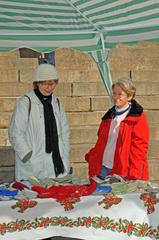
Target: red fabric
[
  {"x": 130, "y": 158},
  {"x": 62, "y": 192},
  {"x": 19, "y": 185}
]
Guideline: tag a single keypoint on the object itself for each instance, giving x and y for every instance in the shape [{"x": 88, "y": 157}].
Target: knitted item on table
[
  {"x": 7, "y": 193},
  {"x": 26, "y": 194},
  {"x": 19, "y": 185},
  {"x": 100, "y": 190},
  {"x": 62, "y": 192},
  {"x": 34, "y": 181}
]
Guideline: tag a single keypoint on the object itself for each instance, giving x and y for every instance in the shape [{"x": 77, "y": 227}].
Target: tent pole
[{"x": 106, "y": 70}]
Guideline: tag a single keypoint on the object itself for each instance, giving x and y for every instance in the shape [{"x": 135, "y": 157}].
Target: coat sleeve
[
  {"x": 18, "y": 127},
  {"x": 65, "y": 135},
  {"x": 138, "y": 165},
  {"x": 94, "y": 156},
  {"x": 92, "y": 151}
]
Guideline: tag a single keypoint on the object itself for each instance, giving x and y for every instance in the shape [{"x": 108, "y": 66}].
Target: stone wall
[{"x": 84, "y": 97}]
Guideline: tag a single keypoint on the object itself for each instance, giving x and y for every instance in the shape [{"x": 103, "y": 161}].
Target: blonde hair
[{"x": 127, "y": 86}]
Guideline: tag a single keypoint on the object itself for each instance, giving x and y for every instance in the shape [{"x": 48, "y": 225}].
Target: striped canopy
[{"x": 86, "y": 25}]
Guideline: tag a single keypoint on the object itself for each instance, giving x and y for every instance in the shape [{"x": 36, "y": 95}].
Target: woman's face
[
  {"x": 47, "y": 87},
  {"x": 120, "y": 98}
]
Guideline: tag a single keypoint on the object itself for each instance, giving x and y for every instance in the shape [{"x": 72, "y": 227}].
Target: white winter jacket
[{"x": 27, "y": 133}]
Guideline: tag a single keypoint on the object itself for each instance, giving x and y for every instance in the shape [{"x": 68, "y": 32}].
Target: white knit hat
[{"x": 45, "y": 72}]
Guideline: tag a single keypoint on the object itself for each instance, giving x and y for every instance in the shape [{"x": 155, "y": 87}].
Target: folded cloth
[
  {"x": 26, "y": 194},
  {"x": 48, "y": 182},
  {"x": 65, "y": 179},
  {"x": 152, "y": 187},
  {"x": 62, "y": 192},
  {"x": 34, "y": 181},
  {"x": 20, "y": 196},
  {"x": 119, "y": 188},
  {"x": 102, "y": 189},
  {"x": 110, "y": 179},
  {"x": 27, "y": 183},
  {"x": 8, "y": 192},
  {"x": 19, "y": 185},
  {"x": 29, "y": 194},
  {"x": 5, "y": 198}
]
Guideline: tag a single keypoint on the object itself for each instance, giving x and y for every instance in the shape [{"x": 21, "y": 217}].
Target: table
[{"x": 102, "y": 217}]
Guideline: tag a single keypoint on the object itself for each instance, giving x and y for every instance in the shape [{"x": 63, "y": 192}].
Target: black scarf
[{"x": 51, "y": 137}]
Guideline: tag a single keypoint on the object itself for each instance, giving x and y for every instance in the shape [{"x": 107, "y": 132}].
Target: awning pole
[{"x": 106, "y": 72}]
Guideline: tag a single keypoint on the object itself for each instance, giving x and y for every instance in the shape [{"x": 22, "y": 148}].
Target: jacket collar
[{"x": 135, "y": 111}]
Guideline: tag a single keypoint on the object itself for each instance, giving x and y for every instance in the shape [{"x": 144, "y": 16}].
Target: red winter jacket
[{"x": 130, "y": 159}]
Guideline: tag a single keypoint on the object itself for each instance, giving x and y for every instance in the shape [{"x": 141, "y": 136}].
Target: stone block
[
  {"x": 153, "y": 150},
  {"x": 145, "y": 52},
  {"x": 131, "y": 64},
  {"x": 26, "y": 75},
  {"x": 74, "y": 60},
  {"x": 90, "y": 76},
  {"x": 3, "y": 137},
  {"x": 63, "y": 56},
  {"x": 118, "y": 63},
  {"x": 7, "y": 104},
  {"x": 100, "y": 103},
  {"x": 135, "y": 51},
  {"x": 145, "y": 76},
  {"x": 89, "y": 89},
  {"x": 120, "y": 74},
  {"x": 84, "y": 118},
  {"x": 78, "y": 152},
  {"x": 154, "y": 132},
  {"x": 145, "y": 44},
  {"x": 9, "y": 60},
  {"x": 152, "y": 116},
  {"x": 83, "y": 135},
  {"x": 149, "y": 102},
  {"x": 63, "y": 89},
  {"x": 5, "y": 119},
  {"x": 8, "y": 75},
  {"x": 7, "y": 157},
  {"x": 80, "y": 169},
  {"x": 148, "y": 89},
  {"x": 68, "y": 76},
  {"x": 153, "y": 170},
  {"x": 121, "y": 51},
  {"x": 14, "y": 89},
  {"x": 7, "y": 174},
  {"x": 27, "y": 63},
  {"x": 74, "y": 76},
  {"x": 77, "y": 104},
  {"x": 147, "y": 63},
  {"x": 13, "y": 54}
]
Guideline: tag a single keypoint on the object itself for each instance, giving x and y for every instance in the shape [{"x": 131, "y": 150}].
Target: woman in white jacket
[{"x": 38, "y": 132}]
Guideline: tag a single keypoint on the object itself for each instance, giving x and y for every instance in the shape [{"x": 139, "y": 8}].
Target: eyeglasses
[
  {"x": 48, "y": 84},
  {"x": 119, "y": 95}
]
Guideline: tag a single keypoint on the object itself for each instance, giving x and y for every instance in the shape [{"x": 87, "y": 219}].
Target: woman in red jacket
[{"x": 123, "y": 137}]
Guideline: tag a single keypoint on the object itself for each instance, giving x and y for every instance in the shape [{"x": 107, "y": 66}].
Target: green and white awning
[
  {"x": 44, "y": 25},
  {"x": 86, "y": 25}
]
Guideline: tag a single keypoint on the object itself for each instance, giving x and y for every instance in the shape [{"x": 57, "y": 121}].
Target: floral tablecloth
[{"x": 132, "y": 216}]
